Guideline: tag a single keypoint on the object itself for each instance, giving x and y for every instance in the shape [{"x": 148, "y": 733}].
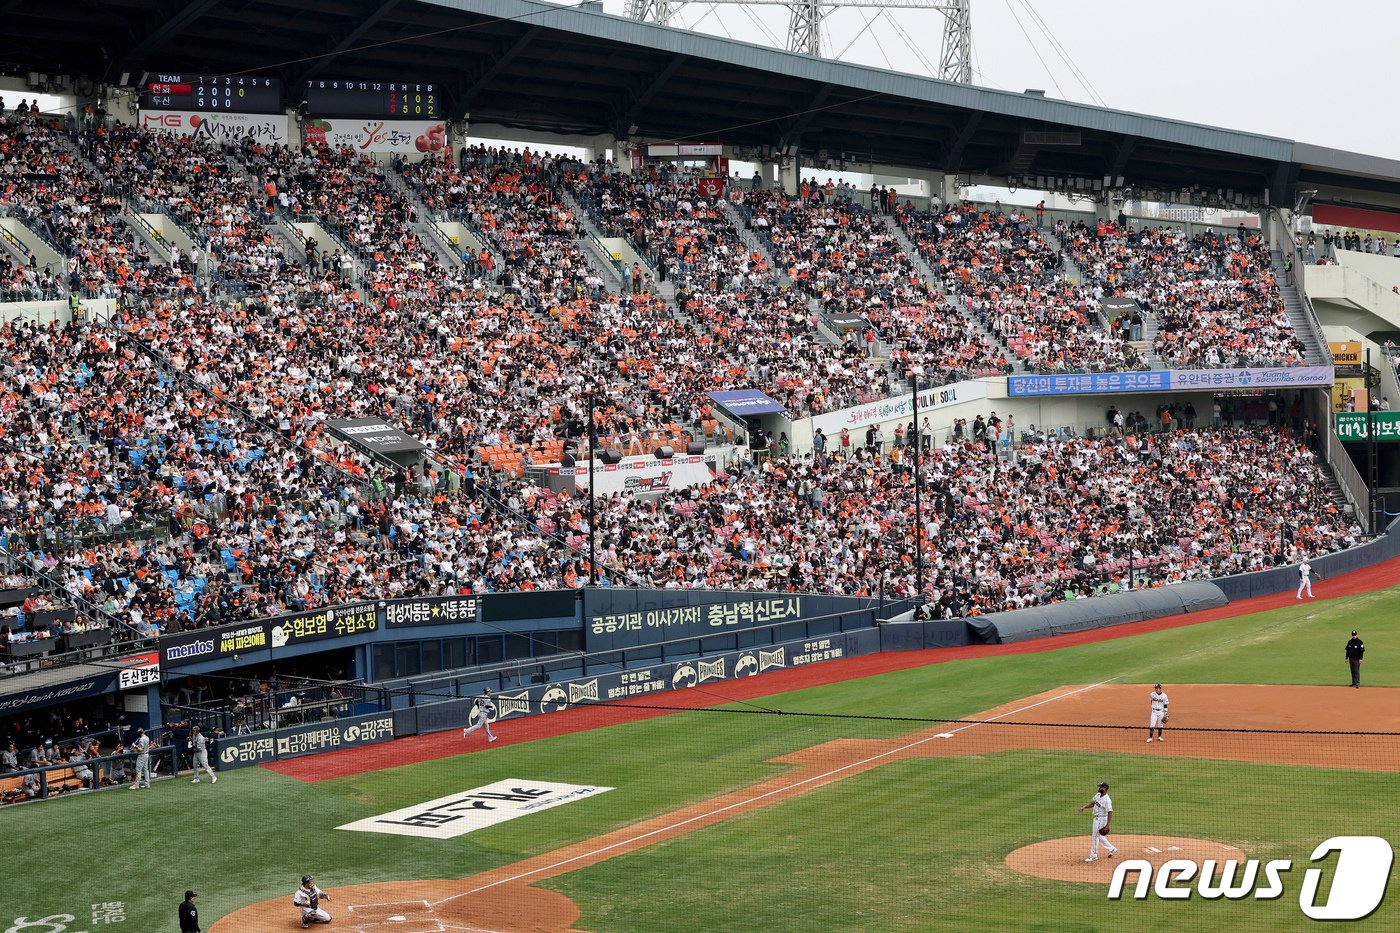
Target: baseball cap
[
  {"x": 1103, "y": 784},
  {"x": 190, "y": 894},
  {"x": 1353, "y": 631},
  {"x": 1159, "y": 686}
]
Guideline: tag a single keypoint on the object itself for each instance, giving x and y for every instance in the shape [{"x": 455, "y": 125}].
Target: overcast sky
[{"x": 1311, "y": 71}]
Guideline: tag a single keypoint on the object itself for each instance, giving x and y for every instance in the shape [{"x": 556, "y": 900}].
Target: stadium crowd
[
  {"x": 850, "y": 261},
  {"x": 1012, "y": 279},
  {"x": 176, "y": 470},
  {"x": 1215, "y": 296}
]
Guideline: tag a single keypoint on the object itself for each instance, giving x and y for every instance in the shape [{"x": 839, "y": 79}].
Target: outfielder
[
  {"x": 485, "y": 708},
  {"x": 143, "y": 760},
  {"x": 1103, "y": 816},
  {"x": 308, "y": 901},
  {"x": 1158, "y": 699},
  {"x": 1305, "y": 575},
  {"x": 201, "y": 755}
]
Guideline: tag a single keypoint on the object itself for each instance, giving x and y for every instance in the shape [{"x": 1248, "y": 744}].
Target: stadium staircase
[
  {"x": 429, "y": 234},
  {"x": 1301, "y": 316},
  {"x": 590, "y": 244},
  {"x": 755, "y": 245},
  {"x": 922, "y": 267}
]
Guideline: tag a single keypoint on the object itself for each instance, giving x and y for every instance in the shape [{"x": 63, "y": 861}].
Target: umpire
[
  {"x": 189, "y": 915},
  {"x": 1356, "y": 650}
]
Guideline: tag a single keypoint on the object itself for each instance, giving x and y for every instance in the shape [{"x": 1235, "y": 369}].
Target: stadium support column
[
  {"x": 949, "y": 191},
  {"x": 770, "y": 174},
  {"x": 791, "y": 176}
]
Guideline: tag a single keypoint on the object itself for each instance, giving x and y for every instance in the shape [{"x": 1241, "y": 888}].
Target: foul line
[{"x": 778, "y": 790}]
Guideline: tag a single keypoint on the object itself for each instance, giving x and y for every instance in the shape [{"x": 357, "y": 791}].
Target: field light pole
[
  {"x": 592, "y": 509},
  {"x": 918, "y": 499},
  {"x": 1370, "y": 443}
]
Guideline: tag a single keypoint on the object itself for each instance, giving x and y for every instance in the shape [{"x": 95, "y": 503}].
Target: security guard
[{"x": 1356, "y": 650}]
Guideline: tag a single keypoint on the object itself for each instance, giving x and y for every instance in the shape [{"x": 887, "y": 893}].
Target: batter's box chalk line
[{"x": 390, "y": 905}]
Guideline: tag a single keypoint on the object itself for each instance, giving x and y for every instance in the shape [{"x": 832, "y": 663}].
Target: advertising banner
[
  {"x": 744, "y": 402},
  {"x": 435, "y": 610},
  {"x": 322, "y": 624},
  {"x": 76, "y": 689},
  {"x": 1346, "y": 352},
  {"x": 185, "y": 648},
  {"x": 138, "y": 670},
  {"x": 636, "y": 475},
  {"x": 294, "y": 741},
  {"x": 1276, "y": 377},
  {"x": 1352, "y": 426},
  {"x": 1349, "y": 394},
  {"x": 375, "y": 135},
  {"x": 900, "y": 408},
  {"x": 374, "y": 434},
  {"x": 458, "y": 814},
  {"x": 219, "y": 127},
  {"x": 688, "y": 620}
]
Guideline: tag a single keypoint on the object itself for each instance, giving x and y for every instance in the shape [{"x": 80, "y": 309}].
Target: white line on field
[{"x": 766, "y": 794}]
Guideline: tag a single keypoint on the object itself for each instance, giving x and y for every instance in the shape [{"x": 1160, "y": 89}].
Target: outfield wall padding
[
  {"x": 513, "y": 703},
  {"x": 912, "y": 636},
  {"x": 1080, "y": 615},
  {"x": 1284, "y": 579}
]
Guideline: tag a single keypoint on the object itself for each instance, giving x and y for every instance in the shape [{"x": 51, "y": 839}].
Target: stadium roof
[{"x": 577, "y": 71}]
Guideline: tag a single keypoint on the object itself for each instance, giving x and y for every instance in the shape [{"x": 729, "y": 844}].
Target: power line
[
  {"x": 1034, "y": 48},
  {"x": 1064, "y": 54}
]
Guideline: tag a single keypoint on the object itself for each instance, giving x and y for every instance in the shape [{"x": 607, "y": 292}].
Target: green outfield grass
[{"x": 912, "y": 845}]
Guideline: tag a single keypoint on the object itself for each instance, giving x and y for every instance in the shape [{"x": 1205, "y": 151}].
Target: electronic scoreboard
[
  {"x": 390, "y": 100},
  {"x": 237, "y": 94}
]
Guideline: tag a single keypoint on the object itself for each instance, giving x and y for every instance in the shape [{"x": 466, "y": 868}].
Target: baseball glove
[{"x": 1104, "y": 831}]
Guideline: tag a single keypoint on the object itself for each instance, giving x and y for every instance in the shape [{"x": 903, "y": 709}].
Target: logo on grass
[{"x": 1358, "y": 881}]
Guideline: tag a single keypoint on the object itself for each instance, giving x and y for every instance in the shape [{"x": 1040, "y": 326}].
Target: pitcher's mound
[{"x": 1063, "y": 859}]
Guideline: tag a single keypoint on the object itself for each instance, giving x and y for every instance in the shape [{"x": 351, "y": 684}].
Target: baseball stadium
[{"x": 497, "y": 466}]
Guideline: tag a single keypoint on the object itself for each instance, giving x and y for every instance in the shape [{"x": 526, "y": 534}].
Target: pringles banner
[{"x": 374, "y": 135}]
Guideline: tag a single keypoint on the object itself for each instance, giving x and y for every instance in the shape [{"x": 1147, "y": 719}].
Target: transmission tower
[{"x": 804, "y": 24}]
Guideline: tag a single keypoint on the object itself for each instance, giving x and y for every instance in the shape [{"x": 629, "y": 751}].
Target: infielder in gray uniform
[
  {"x": 143, "y": 760},
  {"x": 201, "y": 755},
  {"x": 485, "y": 706}
]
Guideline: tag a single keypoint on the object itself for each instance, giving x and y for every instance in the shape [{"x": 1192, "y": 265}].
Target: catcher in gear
[
  {"x": 308, "y": 900},
  {"x": 1102, "y": 805}
]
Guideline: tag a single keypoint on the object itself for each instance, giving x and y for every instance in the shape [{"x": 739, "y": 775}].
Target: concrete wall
[
  {"x": 461, "y": 236},
  {"x": 1351, "y": 296},
  {"x": 42, "y": 251},
  {"x": 170, "y": 231},
  {"x": 48, "y": 312},
  {"x": 1077, "y": 411}
]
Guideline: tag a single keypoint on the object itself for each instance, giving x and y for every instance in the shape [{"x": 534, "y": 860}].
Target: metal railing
[
  {"x": 313, "y": 702},
  {"x": 108, "y": 772}
]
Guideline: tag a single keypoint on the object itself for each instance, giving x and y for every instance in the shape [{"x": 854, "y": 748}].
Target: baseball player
[
  {"x": 1305, "y": 575},
  {"x": 1102, "y": 805},
  {"x": 143, "y": 760},
  {"x": 308, "y": 900},
  {"x": 200, "y": 745},
  {"x": 485, "y": 709},
  {"x": 1158, "y": 699}
]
